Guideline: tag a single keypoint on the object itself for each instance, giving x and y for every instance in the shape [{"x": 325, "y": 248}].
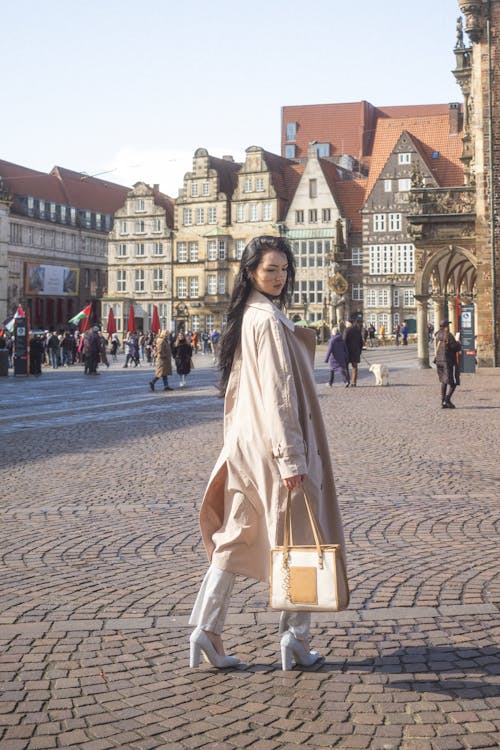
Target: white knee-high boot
[
  {"x": 211, "y": 605},
  {"x": 295, "y": 627},
  {"x": 209, "y": 613}
]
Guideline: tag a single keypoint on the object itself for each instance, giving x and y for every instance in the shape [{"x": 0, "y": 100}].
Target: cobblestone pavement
[{"x": 101, "y": 560}]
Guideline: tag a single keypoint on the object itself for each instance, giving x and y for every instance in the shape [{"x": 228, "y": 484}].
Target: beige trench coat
[
  {"x": 273, "y": 429},
  {"x": 163, "y": 356}
]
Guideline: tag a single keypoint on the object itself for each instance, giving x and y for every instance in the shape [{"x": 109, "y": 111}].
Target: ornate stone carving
[{"x": 474, "y": 20}]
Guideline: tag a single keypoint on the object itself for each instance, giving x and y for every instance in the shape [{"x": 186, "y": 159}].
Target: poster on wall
[{"x": 60, "y": 281}]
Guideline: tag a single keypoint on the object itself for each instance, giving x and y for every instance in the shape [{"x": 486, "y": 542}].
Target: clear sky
[{"x": 136, "y": 87}]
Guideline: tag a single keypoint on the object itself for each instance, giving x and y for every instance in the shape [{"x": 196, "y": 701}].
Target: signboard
[
  {"x": 467, "y": 339},
  {"x": 56, "y": 281},
  {"x": 21, "y": 346}
]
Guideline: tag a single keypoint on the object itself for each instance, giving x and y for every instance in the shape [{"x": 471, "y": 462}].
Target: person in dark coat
[
  {"x": 182, "y": 353},
  {"x": 337, "y": 357},
  {"x": 36, "y": 355},
  {"x": 94, "y": 348},
  {"x": 354, "y": 342},
  {"x": 447, "y": 348}
]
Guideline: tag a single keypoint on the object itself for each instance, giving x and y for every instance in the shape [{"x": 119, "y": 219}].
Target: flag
[
  {"x": 9, "y": 325},
  {"x": 79, "y": 316},
  {"x": 155, "y": 321}
]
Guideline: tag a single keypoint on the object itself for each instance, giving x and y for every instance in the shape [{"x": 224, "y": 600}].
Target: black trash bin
[{"x": 4, "y": 362}]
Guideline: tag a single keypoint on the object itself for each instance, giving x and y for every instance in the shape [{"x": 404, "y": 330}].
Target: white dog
[{"x": 381, "y": 373}]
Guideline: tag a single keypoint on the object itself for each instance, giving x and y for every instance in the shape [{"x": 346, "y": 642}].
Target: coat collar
[{"x": 261, "y": 302}]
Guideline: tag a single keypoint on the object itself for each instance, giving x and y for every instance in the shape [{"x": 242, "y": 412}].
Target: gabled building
[
  {"x": 406, "y": 152},
  {"x": 140, "y": 270},
  {"x": 204, "y": 249},
  {"x": 53, "y": 241}
]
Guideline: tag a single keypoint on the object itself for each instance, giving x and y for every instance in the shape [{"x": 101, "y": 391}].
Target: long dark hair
[{"x": 252, "y": 256}]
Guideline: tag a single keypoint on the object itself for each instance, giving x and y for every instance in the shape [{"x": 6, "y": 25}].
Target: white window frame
[
  {"x": 247, "y": 185},
  {"x": 239, "y": 246},
  {"x": 357, "y": 292},
  {"x": 221, "y": 284},
  {"x": 139, "y": 250},
  {"x": 182, "y": 252},
  {"x": 371, "y": 298},
  {"x": 395, "y": 222},
  {"x": 194, "y": 287},
  {"x": 121, "y": 280},
  {"x": 357, "y": 256},
  {"x": 379, "y": 222},
  {"x": 240, "y": 212},
  {"x": 267, "y": 211},
  {"x": 404, "y": 158},
  {"x": 408, "y": 298},
  {"x": 395, "y": 297},
  {"x": 212, "y": 250},
  {"x": 194, "y": 190},
  {"x": 387, "y": 186},
  {"x": 140, "y": 205},
  {"x": 222, "y": 249},
  {"x": 212, "y": 283},
  {"x": 182, "y": 287},
  {"x": 187, "y": 217},
  {"x": 157, "y": 248},
  {"x": 205, "y": 189},
  {"x": 383, "y": 298},
  {"x": 405, "y": 258},
  {"x": 254, "y": 212},
  {"x": 139, "y": 280},
  {"x": 259, "y": 185},
  {"x": 157, "y": 279},
  {"x": 404, "y": 185},
  {"x": 193, "y": 252},
  {"x": 212, "y": 215},
  {"x": 140, "y": 227},
  {"x": 200, "y": 216}
]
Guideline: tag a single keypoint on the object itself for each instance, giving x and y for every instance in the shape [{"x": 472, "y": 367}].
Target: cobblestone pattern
[{"x": 101, "y": 559}]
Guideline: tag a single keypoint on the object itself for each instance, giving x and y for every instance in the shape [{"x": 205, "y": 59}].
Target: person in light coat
[
  {"x": 274, "y": 441},
  {"x": 163, "y": 361}
]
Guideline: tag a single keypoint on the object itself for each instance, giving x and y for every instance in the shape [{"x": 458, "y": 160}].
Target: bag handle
[{"x": 288, "y": 530}]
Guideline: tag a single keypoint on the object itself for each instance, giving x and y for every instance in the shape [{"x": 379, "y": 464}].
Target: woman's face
[{"x": 271, "y": 274}]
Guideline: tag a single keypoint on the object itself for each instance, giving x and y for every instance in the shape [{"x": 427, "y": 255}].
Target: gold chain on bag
[{"x": 286, "y": 576}]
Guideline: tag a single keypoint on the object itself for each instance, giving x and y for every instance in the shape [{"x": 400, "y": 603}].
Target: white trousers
[{"x": 211, "y": 605}]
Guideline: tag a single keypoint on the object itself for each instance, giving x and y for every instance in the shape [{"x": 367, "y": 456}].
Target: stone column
[
  {"x": 452, "y": 314},
  {"x": 438, "y": 301},
  {"x": 422, "y": 332}
]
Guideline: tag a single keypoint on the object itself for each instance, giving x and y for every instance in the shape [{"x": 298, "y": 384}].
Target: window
[
  {"x": 182, "y": 252},
  {"x": 408, "y": 298},
  {"x": 139, "y": 280},
  {"x": 396, "y": 319},
  {"x": 326, "y": 214},
  {"x": 240, "y": 212},
  {"x": 405, "y": 259},
  {"x": 181, "y": 288},
  {"x": 193, "y": 252},
  {"x": 205, "y": 188},
  {"x": 371, "y": 298},
  {"x": 313, "y": 188},
  {"x": 259, "y": 184},
  {"x": 212, "y": 283},
  {"x": 289, "y": 152},
  {"x": 383, "y": 298},
  {"x": 299, "y": 217},
  {"x": 157, "y": 248},
  {"x": 139, "y": 248},
  {"x": 193, "y": 286},
  {"x": 53, "y": 213},
  {"x": 379, "y": 222},
  {"x": 210, "y": 322},
  {"x": 157, "y": 225},
  {"x": 221, "y": 288},
  {"x": 200, "y": 215},
  {"x": 239, "y": 246},
  {"x": 394, "y": 222},
  {"x": 291, "y": 131},
  {"x": 139, "y": 227},
  {"x": 323, "y": 150},
  {"x": 404, "y": 185},
  {"x": 383, "y": 320},
  {"x": 194, "y": 189},
  {"x": 16, "y": 233},
  {"x": 121, "y": 250},
  {"x": 267, "y": 212},
  {"x": 313, "y": 215},
  {"x": 187, "y": 217},
  {"x": 254, "y": 212},
  {"x": 395, "y": 297},
  {"x": 123, "y": 225},
  {"x": 212, "y": 215},
  {"x": 157, "y": 279},
  {"x": 140, "y": 205},
  {"x": 212, "y": 250},
  {"x": 121, "y": 280},
  {"x": 222, "y": 250},
  {"x": 357, "y": 256},
  {"x": 381, "y": 259},
  {"x": 247, "y": 185},
  {"x": 404, "y": 158},
  {"x": 73, "y": 219},
  {"x": 195, "y": 323},
  {"x": 31, "y": 205},
  {"x": 388, "y": 186},
  {"x": 357, "y": 292}
]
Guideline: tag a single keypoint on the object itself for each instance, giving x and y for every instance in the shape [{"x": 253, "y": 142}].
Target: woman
[
  {"x": 163, "y": 361},
  {"x": 447, "y": 348},
  {"x": 274, "y": 441},
  {"x": 182, "y": 353},
  {"x": 337, "y": 357}
]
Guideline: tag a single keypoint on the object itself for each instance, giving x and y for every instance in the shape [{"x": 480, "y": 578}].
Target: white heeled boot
[
  {"x": 295, "y": 627},
  {"x": 209, "y": 614}
]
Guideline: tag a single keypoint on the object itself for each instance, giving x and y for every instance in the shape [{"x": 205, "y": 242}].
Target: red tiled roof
[
  {"x": 347, "y": 190},
  {"x": 429, "y": 134},
  {"x": 64, "y": 187},
  {"x": 348, "y": 127},
  {"x": 90, "y": 193},
  {"x": 228, "y": 174}
]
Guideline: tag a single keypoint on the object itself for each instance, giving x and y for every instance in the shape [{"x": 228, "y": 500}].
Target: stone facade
[{"x": 140, "y": 259}]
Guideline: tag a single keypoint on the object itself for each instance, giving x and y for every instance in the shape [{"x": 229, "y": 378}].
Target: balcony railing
[{"x": 425, "y": 201}]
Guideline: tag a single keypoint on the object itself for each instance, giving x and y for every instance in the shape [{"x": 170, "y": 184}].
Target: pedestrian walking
[
  {"x": 115, "y": 343},
  {"x": 53, "y": 349},
  {"x": 354, "y": 341},
  {"x": 371, "y": 336},
  {"x": 93, "y": 351},
  {"x": 397, "y": 333},
  {"x": 132, "y": 345},
  {"x": 274, "y": 441},
  {"x": 337, "y": 357},
  {"x": 404, "y": 333},
  {"x": 163, "y": 361},
  {"x": 182, "y": 353},
  {"x": 447, "y": 348}
]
